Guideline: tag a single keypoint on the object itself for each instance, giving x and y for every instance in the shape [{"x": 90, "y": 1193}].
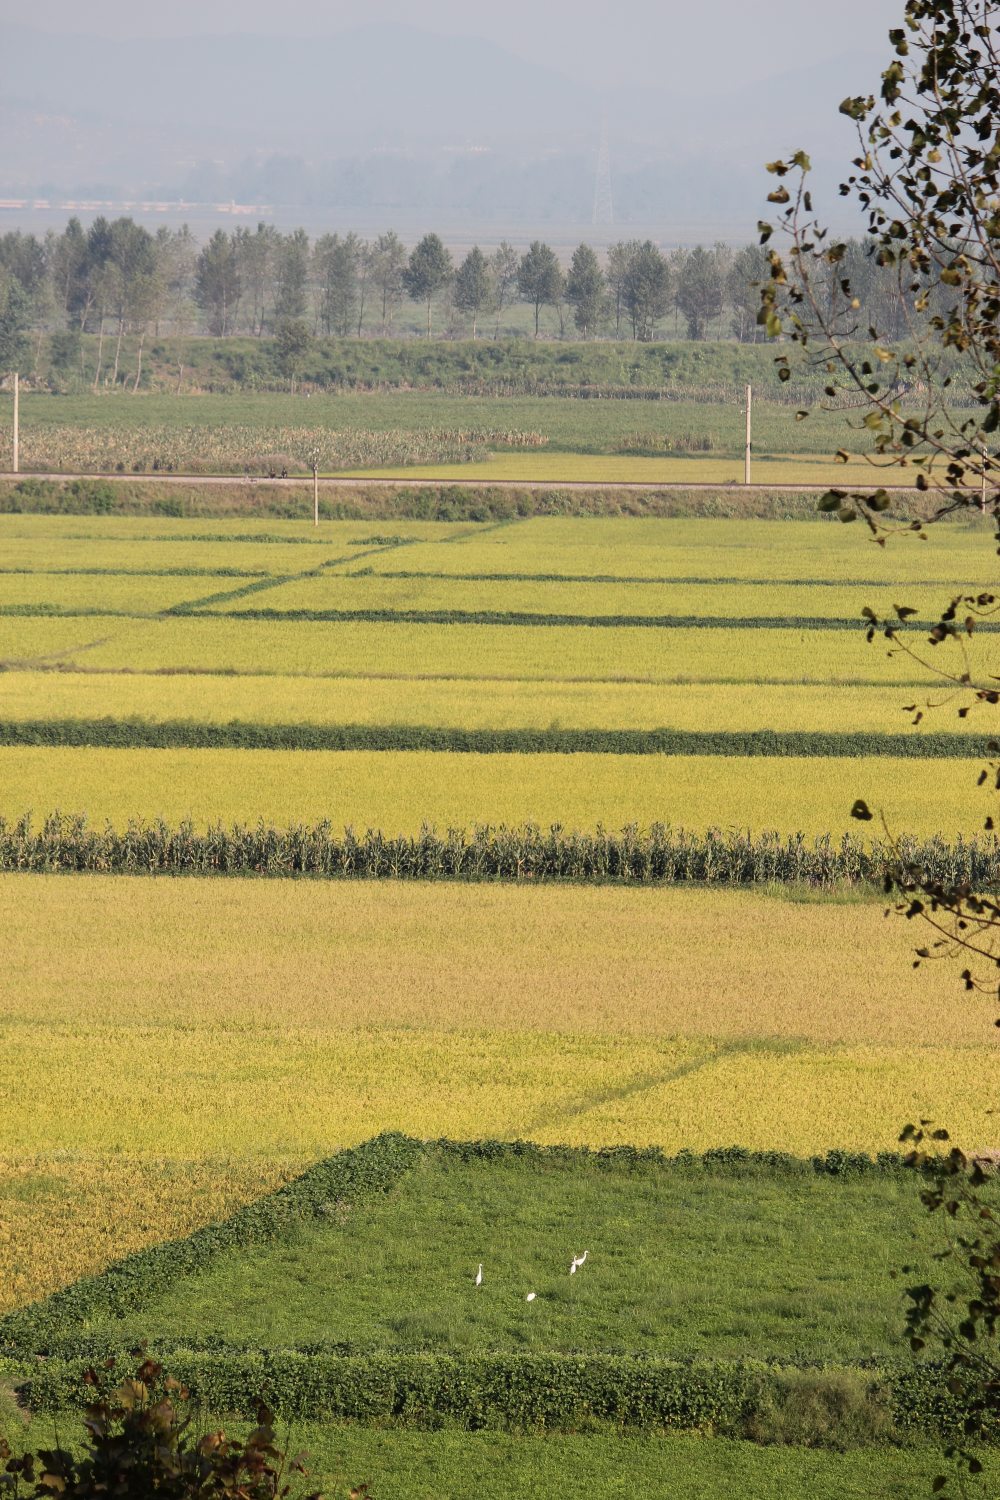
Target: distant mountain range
[{"x": 391, "y": 117}]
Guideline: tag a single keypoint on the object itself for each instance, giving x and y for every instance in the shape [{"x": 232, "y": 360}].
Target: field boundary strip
[
  {"x": 638, "y": 578},
  {"x": 643, "y": 1084},
  {"x": 53, "y": 663},
  {"x": 322, "y": 568},
  {"x": 130, "y": 734},
  {"x": 660, "y": 855},
  {"x": 219, "y": 572},
  {"x": 505, "y": 1390},
  {"x": 499, "y": 618},
  {"x": 351, "y": 479}
]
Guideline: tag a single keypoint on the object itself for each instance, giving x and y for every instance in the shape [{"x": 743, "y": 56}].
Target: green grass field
[
  {"x": 677, "y": 1265},
  {"x": 492, "y": 1466},
  {"x": 499, "y": 1466},
  {"x": 710, "y": 1261}
]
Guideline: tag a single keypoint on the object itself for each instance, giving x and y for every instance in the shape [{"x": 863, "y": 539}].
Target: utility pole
[
  {"x": 604, "y": 209},
  {"x": 17, "y": 423},
  {"x": 315, "y": 492},
  {"x": 746, "y": 455}
]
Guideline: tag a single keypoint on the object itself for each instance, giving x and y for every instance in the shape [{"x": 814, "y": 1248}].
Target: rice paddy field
[{"x": 176, "y": 1048}]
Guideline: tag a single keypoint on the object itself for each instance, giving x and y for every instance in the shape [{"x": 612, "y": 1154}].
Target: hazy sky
[{"x": 645, "y": 42}]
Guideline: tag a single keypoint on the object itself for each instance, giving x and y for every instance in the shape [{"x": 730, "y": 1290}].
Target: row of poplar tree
[{"x": 116, "y": 278}]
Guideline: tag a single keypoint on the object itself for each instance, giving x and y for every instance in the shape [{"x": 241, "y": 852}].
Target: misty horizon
[{"x": 381, "y": 122}]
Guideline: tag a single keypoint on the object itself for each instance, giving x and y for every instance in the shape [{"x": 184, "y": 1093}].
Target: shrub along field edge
[
  {"x": 426, "y": 501},
  {"x": 67, "y": 844},
  {"x": 837, "y": 1406}
]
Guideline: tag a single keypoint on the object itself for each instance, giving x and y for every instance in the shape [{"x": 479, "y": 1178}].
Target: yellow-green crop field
[
  {"x": 51, "y": 544},
  {"x": 653, "y": 547},
  {"x": 399, "y": 791},
  {"x": 171, "y": 1046},
  {"x": 452, "y": 702},
  {"x": 582, "y": 546},
  {"x": 332, "y": 590},
  {"x": 95, "y": 593},
  {"x": 474, "y": 653},
  {"x": 537, "y": 466}
]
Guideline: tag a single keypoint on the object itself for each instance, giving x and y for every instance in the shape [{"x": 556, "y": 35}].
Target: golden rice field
[
  {"x": 654, "y": 547},
  {"x": 577, "y": 546},
  {"x": 676, "y": 1018},
  {"x": 331, "y": 590},
  {"x": 66, "y": 1214},
  {"x": 140, "y": 544},
  {"x": 296, "y": 1094},
  {"x": 400, "y": 791},
  {"x": 139, "y": 595},
  {"x": 483, "y": 653},
  {"x": 461, "y": 703},
  {"x": 537, "y": 466},
  {"x": 589, "y": 960}
]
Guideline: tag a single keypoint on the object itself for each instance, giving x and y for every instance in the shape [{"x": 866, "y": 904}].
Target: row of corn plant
[{"x": 660, "y": 855}]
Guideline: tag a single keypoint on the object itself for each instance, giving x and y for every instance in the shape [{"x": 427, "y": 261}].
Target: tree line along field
[
  {"x": 587, "y": 1014},
  {"x": 117, "y": 277}
]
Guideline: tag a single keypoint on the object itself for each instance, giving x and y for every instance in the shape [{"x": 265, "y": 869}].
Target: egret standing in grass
[
  {"x": 578, "y": 1261},
  {"x": 531, "y": 1297},
  {"x": 479, "y": 1275}
]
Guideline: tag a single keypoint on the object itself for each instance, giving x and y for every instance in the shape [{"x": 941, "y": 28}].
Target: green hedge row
[
  {"x": 56, "y": 1325},
  {"x": 145, "y": 495},
  {"x": 558, "y": 1391},
  {"x": 195, "y": 610},
  {"x": 659, "y": 856},
  {"x": 528, "y": 617},
  {"x": 219, "y": 572},
  {"x": 241, "y": 735}
]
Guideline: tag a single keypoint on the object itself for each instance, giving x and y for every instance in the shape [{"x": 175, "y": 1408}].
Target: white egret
[
  {"x": 578, "y": 1261},
  {"x": 531, "y": 1297},
  {"x": 479, "y": 1275}
]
